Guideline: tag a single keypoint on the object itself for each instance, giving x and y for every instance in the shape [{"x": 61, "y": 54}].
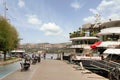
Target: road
[{"x": 53, "y": 70}]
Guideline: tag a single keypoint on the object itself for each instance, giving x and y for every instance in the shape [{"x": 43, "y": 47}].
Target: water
[
  {"x": 6, "y": 69},
  {"x": 51, "y": 56},
  {"x": 48, "y": 56}
]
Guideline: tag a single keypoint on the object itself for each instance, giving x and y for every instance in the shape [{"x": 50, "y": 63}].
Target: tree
[{"x": 8, "y": 36}]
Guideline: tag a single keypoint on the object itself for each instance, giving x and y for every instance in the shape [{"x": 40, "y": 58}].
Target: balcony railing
[{"x": 85, "y": 46}]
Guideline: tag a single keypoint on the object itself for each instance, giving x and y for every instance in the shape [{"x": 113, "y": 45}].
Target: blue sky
[{"x": 51, "y": 21}]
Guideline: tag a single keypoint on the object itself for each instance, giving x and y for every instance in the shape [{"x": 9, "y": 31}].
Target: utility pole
[{"x": 5, "y": 8}]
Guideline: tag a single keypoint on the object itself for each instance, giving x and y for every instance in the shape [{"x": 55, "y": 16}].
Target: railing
[
  {"x": 80, "y": 46},
  {"x": 105, "y": 65}
]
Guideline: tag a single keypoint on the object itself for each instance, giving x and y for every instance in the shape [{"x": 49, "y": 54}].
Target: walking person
[
  {"x": 39, "y": 58},
  {"x": 44, "y": 55}
]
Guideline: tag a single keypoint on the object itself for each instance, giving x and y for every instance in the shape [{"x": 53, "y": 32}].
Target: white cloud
[
  {"x": 93, "y": 11},
  {"x": 33, "y": 19},
  {"x": 75, "y": 5},
  {"x": 21, "y": 3},
  {"x": 89, "y": 19},
  {"x": 51, "y": 29},
  {"x": 108, "y": 9},
  {"x": 105, "y": 4},
  {"x": 114, "y": 16}
]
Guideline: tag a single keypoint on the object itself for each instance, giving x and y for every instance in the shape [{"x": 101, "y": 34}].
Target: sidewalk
[
  {"x": 52, "y": 70},
  {"x": 9, "y": 61}
]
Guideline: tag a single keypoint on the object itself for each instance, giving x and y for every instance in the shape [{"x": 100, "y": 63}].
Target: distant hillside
[{"x": 45, "y": 45}]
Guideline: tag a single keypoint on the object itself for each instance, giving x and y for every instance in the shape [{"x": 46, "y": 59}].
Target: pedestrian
[
  {"x": 44, "y": 55},
  {"x": 102, "y": 57},
  {"x": 39, "y": 58},
  {"x": 51, "y": 57},
  {"x": 33, "y": 55},
  {"x": 27, "y": 58}
]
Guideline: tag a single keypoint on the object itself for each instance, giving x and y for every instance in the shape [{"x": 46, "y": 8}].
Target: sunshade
[
  {"x": 109, "y": 44},
  {"x": 93, "y": 46}
]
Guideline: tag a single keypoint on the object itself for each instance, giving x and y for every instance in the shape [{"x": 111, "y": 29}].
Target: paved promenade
[{"x": 53, "y": 70}]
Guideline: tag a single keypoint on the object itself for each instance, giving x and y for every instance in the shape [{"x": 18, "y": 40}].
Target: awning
[
  {"x": 18, "y": 51},
  {"x": 112, "y": 51},
  {"x": 93, "y": 46},
  {"x": 109, "y": 44},
  {"x": 105, "y": 44}
]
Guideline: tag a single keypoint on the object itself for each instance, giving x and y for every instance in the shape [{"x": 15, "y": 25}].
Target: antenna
[
  {"x": 97, "y": 21},
  {"x": 98, "y": 18}
]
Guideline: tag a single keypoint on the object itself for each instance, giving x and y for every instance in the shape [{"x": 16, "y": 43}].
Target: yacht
[
  {"x": 109, "y": 65},
  {"x": 83, "y": 50},
  {"x": 110, "y": 50}
]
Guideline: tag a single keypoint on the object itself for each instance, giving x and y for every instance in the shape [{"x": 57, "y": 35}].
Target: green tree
[{"x": 8, "y": 36}]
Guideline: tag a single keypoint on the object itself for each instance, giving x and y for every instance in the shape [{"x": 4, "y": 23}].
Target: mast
[{"x": 97, "y": 20}]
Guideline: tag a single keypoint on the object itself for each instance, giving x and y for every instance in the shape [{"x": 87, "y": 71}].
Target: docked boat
[
  {"x": 83, "y": 51},
  {"x": 110, "y": 39},
  {"x": 81, "y": 45},
  {"x": 108, "y": 48},
  {"x": 111, "y": 64}
]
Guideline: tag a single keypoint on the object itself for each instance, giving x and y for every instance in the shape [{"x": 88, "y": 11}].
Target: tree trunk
[{"x": 4, "y": 55}]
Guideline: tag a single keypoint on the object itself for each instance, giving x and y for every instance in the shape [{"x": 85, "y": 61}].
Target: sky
[{"x": 51, "y": 21}]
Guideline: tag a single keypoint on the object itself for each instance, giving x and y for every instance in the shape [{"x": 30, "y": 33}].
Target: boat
[
  {"x": 108, "y": 48},
  {"x": 83, "y": 51},
  {"x": 113, "y": 40},
  {"x": 110, "y": 38},
  {"x": 81, "y": 45},
  {"x": 111, "y": 64}
]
